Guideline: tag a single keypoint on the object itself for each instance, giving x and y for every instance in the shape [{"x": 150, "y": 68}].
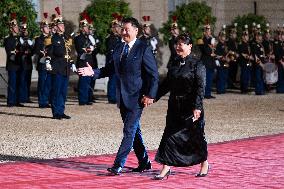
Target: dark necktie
[{"x": 124, "y": 52}]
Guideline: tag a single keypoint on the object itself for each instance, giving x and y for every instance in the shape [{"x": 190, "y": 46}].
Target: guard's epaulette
[
  {"x": 108, "y": 36},
  {"x": 37, "y": 36},
  {"x": 6, "y": 36}
]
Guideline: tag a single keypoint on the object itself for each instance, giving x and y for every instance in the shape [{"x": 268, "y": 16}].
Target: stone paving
[{"x": 97, "y": 129}]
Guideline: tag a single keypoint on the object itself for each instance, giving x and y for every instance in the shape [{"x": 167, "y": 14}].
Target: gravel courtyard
[{"x": 30, "y": 132}]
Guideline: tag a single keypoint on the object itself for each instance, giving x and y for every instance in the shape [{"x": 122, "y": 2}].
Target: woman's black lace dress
[{"x": 183, "y": 142}]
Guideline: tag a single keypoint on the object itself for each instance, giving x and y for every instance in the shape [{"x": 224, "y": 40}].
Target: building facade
[{"x": 224, "y": 10}]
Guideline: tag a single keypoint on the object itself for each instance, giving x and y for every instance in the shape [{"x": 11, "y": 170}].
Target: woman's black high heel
[
  {"x": 159, "y": 177},
  {"x": 203, "y": 174}
]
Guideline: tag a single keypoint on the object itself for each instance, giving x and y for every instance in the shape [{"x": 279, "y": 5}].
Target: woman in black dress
[{"x": 183, "y": 142}]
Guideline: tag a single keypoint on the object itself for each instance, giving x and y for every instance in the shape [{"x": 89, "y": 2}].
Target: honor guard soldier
[
  {"x": 259, "y": 57},
  {"x": 12, "y": 62},
  {"x": 174, "y": 33},
  {"x": 59, "y": 57},
  {"x": 208, "y": 59},
  {"x": 84, "y": 48},
  {"x": 232, "y": 52},
  {"x": 112, "y": 40},
  {"x": 222, "y": 62},
  {"x": 278, "y": 47},
  {"x": 42, "y": 43},
  {"x": 147, "y": 36},
  {"x": 269, "y": 56},
  {"x": 96, "y": 43},
  {"x": 245, "y": 61},
  {"x": 267, "y": 43},
  {"x": 52, "y": 26},
  {"x": 25, "y": 47}
]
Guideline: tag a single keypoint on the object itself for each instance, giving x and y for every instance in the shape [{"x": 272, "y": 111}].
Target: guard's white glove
[
  {"x": 92, "y": 39},
  {"x": 73, "y": 68},
  {"x": 47, "y": 64},
  {"x": 213, "y": 41},
  {"x": 154, "y": 43},
  {"x": 92, "y": 47},
  {"x": 217, "y": 63},
  {"x": 30, "y": 42},
  {"x": 21, "y": 41}
]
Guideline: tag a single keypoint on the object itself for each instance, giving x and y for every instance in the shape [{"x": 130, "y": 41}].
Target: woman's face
[{"x": 183, "y": 49}]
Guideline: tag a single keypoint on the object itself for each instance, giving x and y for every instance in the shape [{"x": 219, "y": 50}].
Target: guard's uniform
[
  {"x": 222, "y": 68},
  {"x": 278, "y": 47},
  {"x": 25, "y": 47},
  {"x": 151, "y": 41},
  {"x": 258, "y": 53},
  {"x": 246, "y": 66},
  {"x": 209, "y": 63},
  {"x": 13, "y": 67},
  {"x": 233, "y": 65},
  {"x": 60, "y": 74},
  {"x": 44, "y": 77},
  {"x": 82, "y": 44},
  {"x": 111, "y": 42}
]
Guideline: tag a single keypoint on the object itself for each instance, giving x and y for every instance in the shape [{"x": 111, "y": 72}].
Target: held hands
[
  {"x": 86, "y": 71},
  {"x": 196, "y": 115},
  {"x": 147, "y": 101}
]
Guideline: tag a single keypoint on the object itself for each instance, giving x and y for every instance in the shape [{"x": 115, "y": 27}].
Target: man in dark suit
[{"x": 135, "y": 66}]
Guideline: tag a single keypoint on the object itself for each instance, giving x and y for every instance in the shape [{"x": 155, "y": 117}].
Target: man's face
[
  {"x": 61, "y": 27},
  {"x": 259, "y": 38},
  {"x": 45, "y": 29},
  {"x": 129, "y": 32},
  {"x": 116, "y": 29},
  {"x": 147, "y": 30},
  {"x": 207, "y": 31},
  {"x": 245, "y": 38},
  {"x": 85, "y": 29},
  {"x": 234, "y": 35},
  {"x": 15, "y": 29},
  {"x": 222, "y": 38},
  {"x": 175, "y": 31}
]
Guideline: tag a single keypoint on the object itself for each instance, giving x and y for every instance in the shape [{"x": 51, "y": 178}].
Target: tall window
[{"x": 173, "y": 3}]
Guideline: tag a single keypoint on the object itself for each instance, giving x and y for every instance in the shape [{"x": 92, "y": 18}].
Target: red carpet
[{"x": 251, "y": 163}]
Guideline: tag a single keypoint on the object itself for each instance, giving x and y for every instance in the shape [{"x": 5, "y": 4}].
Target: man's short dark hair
[
  {"x": 134, "y": 22},
  {"x": 185, "y": 38}
]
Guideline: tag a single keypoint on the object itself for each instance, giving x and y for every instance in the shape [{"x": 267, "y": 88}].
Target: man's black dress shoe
[
  {"x": 209, "y": 97},
  {"x": 20, "y": 105},
  {"x": 115, "y": 170},
  {"x": 57, "y": 117},
  {"x": 142, "y": 167},
  {"x": 45, "y": 106},
  {"x": 64, "y": 116}
]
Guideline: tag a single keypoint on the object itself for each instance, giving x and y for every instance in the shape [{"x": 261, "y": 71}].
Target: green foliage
[
  {"x": 249, "y": 19},
  {"x": 101, "y": 11},
  {"x": 21, "y": 8},
  {"x": 191, "y": 18}
]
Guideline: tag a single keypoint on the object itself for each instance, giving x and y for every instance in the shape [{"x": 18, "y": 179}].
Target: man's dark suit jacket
[{"x": 137, "y": 76}]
